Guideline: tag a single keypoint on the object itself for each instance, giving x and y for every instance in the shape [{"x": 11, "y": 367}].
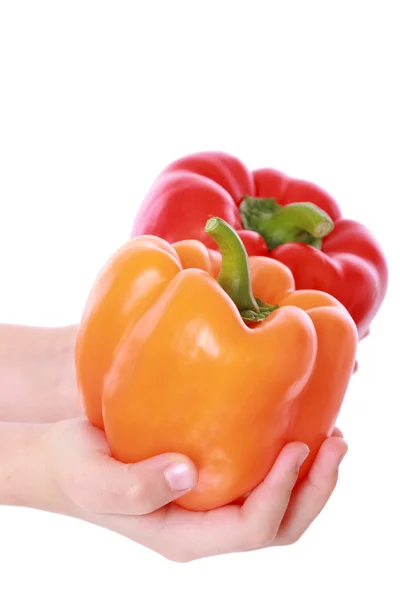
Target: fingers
[
  {"x": 232, "y": 528},
  {"x": 275, "y": 512},
  {"x": 265, "y": 507},
  {"x": 97, "y": 483},
  {"x": 314, "y": 492}
]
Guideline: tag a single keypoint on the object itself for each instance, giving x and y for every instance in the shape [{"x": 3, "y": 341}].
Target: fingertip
[
  {"x": 302, "y": 453},
  {"x": 179, "y": 471},
  {"x": 331, "y": 454},
  {"x": 181, "y": 475},
  {"x": 157, "y": 481},
  {"x": 290, "y": 459},
  {"x": 294, "y": 451},
  {"x": 268, "y": 502},
  {"x": 336, "y": 444},
  {"x": 314, "y": 490},
  {"x": 337, "y": 432}
]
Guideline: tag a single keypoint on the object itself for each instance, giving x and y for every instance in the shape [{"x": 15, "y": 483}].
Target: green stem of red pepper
[
  {"x": 234, "y": 275},
  {"x": 298, "y": 222}
]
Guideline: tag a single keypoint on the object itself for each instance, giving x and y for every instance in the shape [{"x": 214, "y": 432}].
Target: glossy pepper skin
[
  {"x": 179, "y": 352},
  {"x": 323, "y": 250}
]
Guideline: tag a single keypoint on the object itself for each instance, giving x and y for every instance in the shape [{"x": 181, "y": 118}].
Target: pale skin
[{"x": 52, "y": 459}]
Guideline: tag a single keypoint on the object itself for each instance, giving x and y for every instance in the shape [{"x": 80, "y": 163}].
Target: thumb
[
  {"x": 142, "y": 488},
  {"x": 112, "y": 487},
  {"x": 94, "y": 481}
]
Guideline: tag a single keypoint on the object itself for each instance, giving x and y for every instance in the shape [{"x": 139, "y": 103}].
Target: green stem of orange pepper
[{"x": 234, "y": 276}]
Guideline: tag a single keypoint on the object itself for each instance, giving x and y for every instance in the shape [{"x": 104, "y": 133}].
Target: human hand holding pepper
[{"x": 66, "y": 467}]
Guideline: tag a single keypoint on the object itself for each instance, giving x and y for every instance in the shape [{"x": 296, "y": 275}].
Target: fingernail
[
  {"x": 179, "y": 477},
  {"x": 302, "y": 458}
]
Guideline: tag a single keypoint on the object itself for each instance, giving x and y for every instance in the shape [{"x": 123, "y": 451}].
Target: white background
[{"x": 95, "y": 99}]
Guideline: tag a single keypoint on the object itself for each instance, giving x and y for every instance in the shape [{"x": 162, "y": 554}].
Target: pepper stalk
[
  {"x": 298, "y": 222},
  {"x": 234, "y": 275}
]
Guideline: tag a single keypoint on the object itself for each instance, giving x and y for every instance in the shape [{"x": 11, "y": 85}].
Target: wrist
[
  {"x": 37, "y": 374},
  {"x": 23, "y": 477},
  {"x": 62, "y": 351}
]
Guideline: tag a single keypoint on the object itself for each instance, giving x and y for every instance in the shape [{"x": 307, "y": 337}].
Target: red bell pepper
[{"x": 291, "y": 220}]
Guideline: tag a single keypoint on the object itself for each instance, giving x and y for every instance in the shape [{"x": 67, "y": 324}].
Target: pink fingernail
[
  {"x": 302, "y": 458},
  {"x": 179, "y": 477}
]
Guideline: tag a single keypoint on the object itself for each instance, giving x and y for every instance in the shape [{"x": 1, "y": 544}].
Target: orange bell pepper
[{"x": 213, "y": 355}]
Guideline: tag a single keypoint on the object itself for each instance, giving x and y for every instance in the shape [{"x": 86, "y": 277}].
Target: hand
[{"x": 135, "y": 500}]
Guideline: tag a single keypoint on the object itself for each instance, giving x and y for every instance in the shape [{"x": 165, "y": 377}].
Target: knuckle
[
  {"x": 139, "y": 496},
  {"x": 95, "y": 498},
  {"x": 143, "y": 495},
  {"x": 323, "y": 488}
]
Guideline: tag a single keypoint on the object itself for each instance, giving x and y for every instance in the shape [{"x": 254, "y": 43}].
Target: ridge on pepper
[
  {"x": 213, "y": 355},
  {"x": 291, "y": 220}
]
